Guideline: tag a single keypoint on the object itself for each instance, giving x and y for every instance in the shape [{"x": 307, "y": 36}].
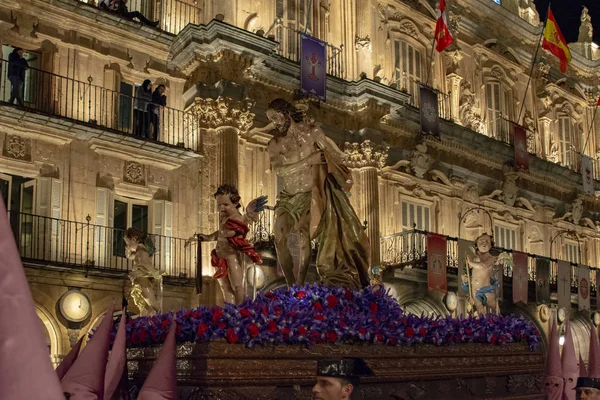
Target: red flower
[
  {"x": 272, "y": 326},
  {"x": 268, "y": 295},
  {"x": 493, "y": 339},
  {"x": 143, "y": 336},
  {"x": 301, "y": 294},
  {"x": 343, "y": 324},
  {"x": 302, "y": 330},
  {"x": 379, "y": 338},
  {"x": 264, "y": 311},
  {"x": 231, "y": 336},
  {"x": 244, "y": 313},
  {"x": 468, "y": 331},
  {"x": 217, "y": 313},
  {"x": 285, "y": 331},
  {"x": 222, "y": 325},
  {"x": 178, "y": 330},
  {"x": 373, "y": 307},
  {"x": 409, "y": 332},
  {"x": 392, "y": 340},
  {"x": 362, "y": 331},
  {"x": 202, "y": 328},
  {"x": 422, "y": 331},
  {"x": 320, "y": 317},
  {"x": 331, "y": 301},
  {"x": 318, "y": 306},
  {"x": 253, "y": 330},
  {"x": 331, "y": 336},
  {"x": 164, "y": 323},
  {"x": 349, "y": 295},
  {"x": 196, "y": 315}
]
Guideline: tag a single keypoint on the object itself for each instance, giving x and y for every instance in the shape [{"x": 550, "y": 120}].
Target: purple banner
[{"x": 313, "y": 66}]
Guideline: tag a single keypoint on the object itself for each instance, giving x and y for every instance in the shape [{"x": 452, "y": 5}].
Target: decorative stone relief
[
  {"x": 363, "y": 43},
  {"x": 585, "y": 29},
  {"x": 420, "y": 161},
  {"x": 508, "y": 192},
  {"x": 408, "y": 28},
  {"x": 468, "y": 113},
  {"x": 134, "y": 172},
  {"x": 529, "y": 124},
  {"x": 365, "y": 154},
  {"x": 224, "y": 111},
  {"x": 18, "y": 148},
  {"x": 453, "y": 58},
  {"x": 575, "y": 211},
  {"x": 454, "y": 20}
]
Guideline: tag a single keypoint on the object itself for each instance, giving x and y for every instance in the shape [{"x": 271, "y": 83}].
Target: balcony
[
  {"x": 44, "y": 242},
  {"x": 408, "y": 249},
  {"x": 94, "y": 106}
]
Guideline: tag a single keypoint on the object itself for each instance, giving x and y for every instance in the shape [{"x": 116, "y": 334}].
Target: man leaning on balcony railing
[{"x": 120, "y": 7}]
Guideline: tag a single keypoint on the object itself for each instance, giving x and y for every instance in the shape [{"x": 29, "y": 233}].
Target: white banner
[
  {"x": 587, "y": 172},
  {"x": 563, "y": 283},
  {"x": 584, "y": 287}
]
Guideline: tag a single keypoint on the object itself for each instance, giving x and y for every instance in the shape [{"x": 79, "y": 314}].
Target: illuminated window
[
  {"x": 415, "y": 214},
  {"x": 505, "y": 238},
  {"x": 565, "y": 140},
  {"x": 498, "y": 108},
  {"x": 407, "y": 64}
]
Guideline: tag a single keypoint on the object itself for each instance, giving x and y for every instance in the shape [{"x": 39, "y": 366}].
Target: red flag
[
  {"x": 520, "y": 277},
  {"x": 555, "y": 42},
  {"x": 521, "y": 152},
  {"x": 598, "y": 101},
  {"x": 443, "y": 37},
  {"x": 437, "y": 260}
]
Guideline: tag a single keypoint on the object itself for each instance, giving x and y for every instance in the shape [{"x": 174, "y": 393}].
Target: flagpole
[
  {"x": 430, "y": 61},
  {"x": 533, "y": 66}
]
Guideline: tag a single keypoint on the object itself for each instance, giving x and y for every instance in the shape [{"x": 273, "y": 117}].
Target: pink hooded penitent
[
  {"x": 553, "y": 380},
  {"x": 66, "y": 363},
  {"x": 25, "y": 365},
  {"x": 85, "y": 379},
  {"x": 161, "y": 383},
  {"x": 582, "y": 370},
  {"x": 117, "y": 360},
  {"x": 570, "y": 369},
  {"x": 594, "y": 355}
]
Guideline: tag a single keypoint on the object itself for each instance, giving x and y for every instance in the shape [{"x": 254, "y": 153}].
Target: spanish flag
[{"x": 555, "y": 42}]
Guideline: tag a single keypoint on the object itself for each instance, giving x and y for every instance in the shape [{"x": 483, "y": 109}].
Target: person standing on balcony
[
  {"x": 124, "y": 11},
  {"x": 155, "y": 109},
  {"x": 16, "y": 75},
  {"x": 143, "y": 97}
]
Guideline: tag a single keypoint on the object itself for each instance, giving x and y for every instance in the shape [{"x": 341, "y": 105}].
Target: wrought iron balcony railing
[
  {"x": 409, "y": 249},
  {"x": 173, "y": 15},
  {"x": 81, "y": 245},
  {"x": 55, "y": 95}
]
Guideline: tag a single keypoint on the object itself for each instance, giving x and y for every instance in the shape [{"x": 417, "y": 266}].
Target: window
[
  {"x": 565, "y": 140},
  {"x": 497, "y": 110},
  {"x": 505, "y": 238},
  {"x": 415, "y": 214},
  {"x": 125, "y": 106},
  {"x": 572, "y": 253},
  {"x": 407, "y": 64},
  {"x": 292, "y": 14},
  {"x": 127, "y": 214}
]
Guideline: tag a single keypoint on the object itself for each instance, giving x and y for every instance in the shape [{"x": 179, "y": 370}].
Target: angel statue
[
  {"x": 233, "y": 251},
  {"x": 482, "y": 278},
  {"x": 146, "y": 281}
]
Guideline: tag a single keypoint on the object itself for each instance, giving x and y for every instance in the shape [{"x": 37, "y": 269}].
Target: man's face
[
  {"x": 20, "y": 53},
  {"x": 331, "y": 389},
  {"x": 225, "y": 206},
  {"x": 484, "y": 244},
  {"x": 588, "y": 394},
  {"x": 281, "y": 122}
]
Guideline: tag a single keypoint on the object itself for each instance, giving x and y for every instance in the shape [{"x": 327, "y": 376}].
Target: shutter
[
  {"x": 103, "y": 234},
  {"x": 157, "y": 224},
  {"x": 169, "y": 242},
  {"x": 405, "y": 216},
  {"x": 426, "y": 227},
  {"x": 44, "y": 197},
  {"x": 57, "y": 225}
]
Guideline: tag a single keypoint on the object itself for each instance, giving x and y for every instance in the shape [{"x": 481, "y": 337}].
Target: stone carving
[
  {"x": 453, "y": 58},
  {"x": 585, "y": 28},
  {"x": 420, "y": 161},
  {"x": 16, "y": 147},
  {"x": 454, "y": 20},
  {"x": 575, "y": 211},
  {"x": 133, "y": 172},
  {"x": 363, "y": 43},
  {"x": 543, "y": 69},
  {"x": 467, "y": 111},
  {"x": 224, "y": 111},
  {"x": 470, "y": 194},
  {"x": 365, "y": 154},
  {"x": 408, "y": 28},
  {"x": 529, "y": 124},
  {"x": 508, "y": 192},
  {"x": 146, "y": 281}
]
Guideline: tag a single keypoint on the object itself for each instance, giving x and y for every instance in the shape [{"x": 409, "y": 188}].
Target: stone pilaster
[
  {"x": 365, "y": 160},
  {"x": 453, "y": 83},
  {"x": 546, "y": 137}
]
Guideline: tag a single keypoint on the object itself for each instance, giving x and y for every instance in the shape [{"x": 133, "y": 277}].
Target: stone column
[
  {"x": 545, "y": 136},
  {"x": 364, "y": 52},
  {"x": 365, "y": 160},
  {"x": 453, "y": 83}
]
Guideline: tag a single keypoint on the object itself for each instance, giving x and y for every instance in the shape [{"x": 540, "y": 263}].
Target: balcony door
[
  {"x": 128, "y": 213},
  {"x": 31, "y": 76},
  {"x": 27, "y": 237}
]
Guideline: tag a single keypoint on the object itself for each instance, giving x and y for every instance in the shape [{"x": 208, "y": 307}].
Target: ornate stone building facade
[{"x": 77, "y": 169}]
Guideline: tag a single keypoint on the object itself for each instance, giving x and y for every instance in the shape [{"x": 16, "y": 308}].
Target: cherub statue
[
  {"x": 483, "y": 276},
  {"x": 232, "y": 251},
  {"x": 146, "y": 281}
]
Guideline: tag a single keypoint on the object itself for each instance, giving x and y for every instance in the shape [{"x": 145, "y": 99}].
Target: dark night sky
[{"x": 567, "y": 13}]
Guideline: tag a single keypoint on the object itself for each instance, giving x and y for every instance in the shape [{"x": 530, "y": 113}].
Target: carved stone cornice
[
  {"x": 223, "y": 112},
  {"x": 365, "y": 154}
]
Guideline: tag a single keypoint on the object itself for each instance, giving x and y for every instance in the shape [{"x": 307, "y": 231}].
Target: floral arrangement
[{"x": 314, "y": 314}]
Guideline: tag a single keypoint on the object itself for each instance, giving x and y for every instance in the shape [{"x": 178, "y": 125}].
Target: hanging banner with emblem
[
  {"x": 520, "y": 277},
  {"x": 563, "y": 285},
  {"x": 587, "y": 174},
  {"x": 313, "y": 66},
  {"x": 542, "y": 280},
  {"x": 521, "y": 153},
  {"x": 430, "y": 120},
  {"x": 437, "y": 262},
  {"x": 583, "y": 286}
]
